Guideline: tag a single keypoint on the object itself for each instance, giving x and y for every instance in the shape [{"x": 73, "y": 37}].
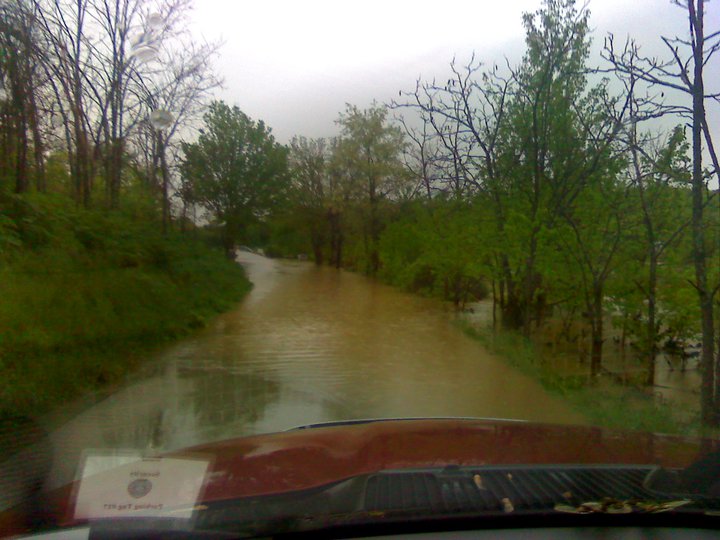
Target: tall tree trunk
[
  {"x": 596, "y": 336},
  {"x": 82, "y": 168},
  {"x": 82, "y": 145},
  {"x": 651, "y": 324},
  {"x": 115, "y": 141},
  {"x": 6, "y": 143},
  {"x": 21, "y": 169},
  {"x": 317, "y": 246},
  {"x": 494, "y": 305},
  {"x": 115, "y": 171},
  {"x": 18, "y": 118},
  {"x": 38, "y": 147},
  {"x": 339, "y": 252},
  {"x": 336, "y": 239},
  {"x": 374, "y": 240},
  {"x": 513, "y": 309},
  {"x": 708, "y": 399},
  {"x": 165, "y": 173},
  {"x": 528, "y": 288},
  {"x": 183, "y": 218},
  {"x": 511, "y": 303},
  {"x": 652, "y": 255},
  {"x": 83, "y": 186}
]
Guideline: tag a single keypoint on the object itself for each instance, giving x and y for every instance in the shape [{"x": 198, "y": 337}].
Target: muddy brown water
[{"x": 306, "y": 345}]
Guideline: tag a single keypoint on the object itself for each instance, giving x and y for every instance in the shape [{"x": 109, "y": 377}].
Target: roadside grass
[
  {"x": 603, "y": 403},
  {"x": 78, "y": 307}
]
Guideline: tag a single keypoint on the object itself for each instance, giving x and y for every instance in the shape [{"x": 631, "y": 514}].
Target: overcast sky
[{"x": 295, "y": 64}]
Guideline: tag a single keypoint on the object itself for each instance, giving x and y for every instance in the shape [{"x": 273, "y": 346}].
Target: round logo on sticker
[{"x": 139, "y": 487}]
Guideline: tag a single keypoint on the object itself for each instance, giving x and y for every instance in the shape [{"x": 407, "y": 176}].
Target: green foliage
[
  {"x": 370, "y": 150},
  {"x": 401, "y": 248},
  {"x": 439, "y": 251},
  {"x": 304, "y": 225},
  {"x": 236, "y": 169},
  {"x": 57, "y": 174},
  {"x": 287, "y": 236},
  {"x": 308, "y": 159},
  {"x": 9, "y": 237},
  {"x": 96, "y": 283},
  {"x": 555, "y": 139},
  {"x": 367, "y": 159},
  {"x": 342, "y": 192}
]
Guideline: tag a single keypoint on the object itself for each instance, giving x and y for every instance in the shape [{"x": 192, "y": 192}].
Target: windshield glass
[{"x": 221, "y": 220}]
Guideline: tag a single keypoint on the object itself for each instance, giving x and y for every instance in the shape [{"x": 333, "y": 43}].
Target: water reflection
[
  {"x": 182, "y": 407},
  {"x": 307, "y": 345}
]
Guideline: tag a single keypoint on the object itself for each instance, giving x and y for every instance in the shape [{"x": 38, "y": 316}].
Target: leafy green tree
[
  {"x": 20, "y": 129},
  {"x": 368, "y": 157},
  {"x": 236, "y": 169},
  {"x": 310, "y": 189},
  {"x": 659, "y": 178},
  {"x": 438, "y": 248},
  {"x": 559, "y": 139},
  {"x": 456, "y": 252},
  {"x": 590, "y": 238},
  {"x": 322, "y": 198}
]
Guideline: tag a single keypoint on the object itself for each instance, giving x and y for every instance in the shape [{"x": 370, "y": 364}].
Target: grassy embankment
[
  {"x": 82, "y": 292},
  {"x": 605, "y": 403}
]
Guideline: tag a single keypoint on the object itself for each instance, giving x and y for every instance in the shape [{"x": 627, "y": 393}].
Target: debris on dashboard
[
  {"x": 478, "y": 482},
  {"x": 616, "y": 506}
]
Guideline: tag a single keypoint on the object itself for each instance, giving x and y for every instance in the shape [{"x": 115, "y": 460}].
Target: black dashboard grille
[
  {"x": 488, "y": 491},
  {"x": 503, "y": 489}
]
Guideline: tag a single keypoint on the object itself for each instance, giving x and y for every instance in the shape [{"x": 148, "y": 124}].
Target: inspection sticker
[{"x": 126, "y": 485}]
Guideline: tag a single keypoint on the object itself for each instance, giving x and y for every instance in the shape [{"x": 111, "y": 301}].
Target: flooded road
[{"x": 306, "y": 345}]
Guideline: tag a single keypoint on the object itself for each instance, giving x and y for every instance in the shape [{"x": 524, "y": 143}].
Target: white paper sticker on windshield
[{"x": 113, "y": 486}]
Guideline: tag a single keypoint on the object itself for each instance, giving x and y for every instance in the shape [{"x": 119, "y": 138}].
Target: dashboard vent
[{"x": 503, "y": 489}]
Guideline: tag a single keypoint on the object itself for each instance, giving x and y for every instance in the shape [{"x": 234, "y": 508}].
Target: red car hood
[{"x": 306, "y": 458}]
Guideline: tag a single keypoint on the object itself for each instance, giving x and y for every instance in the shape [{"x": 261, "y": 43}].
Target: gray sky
[{"x": 294, "y": 64}]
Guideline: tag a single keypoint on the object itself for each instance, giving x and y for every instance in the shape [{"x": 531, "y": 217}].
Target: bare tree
[
  {"x": 181, "y": 90},
  {"x": 421, "y": 158},
  {"x": 20, "y": 74},
  {"x": 683, "y": 74},
  {"x": 463, "y": 122},
  {"x": 67, "y": 62},
  {"x": 115, "y": 19},
  {"x": 128, "y": 30},
  {"x": 464, "y": 117}
]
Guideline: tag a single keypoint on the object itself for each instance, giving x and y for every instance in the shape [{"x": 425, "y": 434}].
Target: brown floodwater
[{"x": 308, "y": 344}]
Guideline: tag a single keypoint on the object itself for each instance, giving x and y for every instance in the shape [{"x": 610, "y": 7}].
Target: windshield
[{"x": 222, "y": 220}]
